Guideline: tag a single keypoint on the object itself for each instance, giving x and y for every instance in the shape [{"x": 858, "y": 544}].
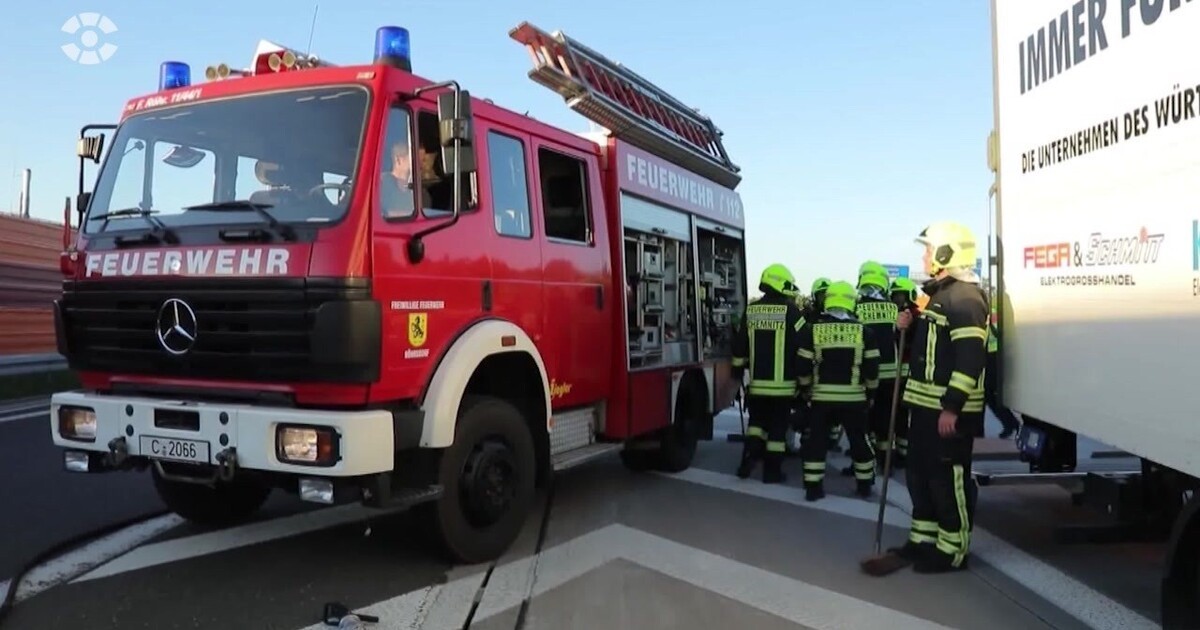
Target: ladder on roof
[{"x": 632, "y": 108}]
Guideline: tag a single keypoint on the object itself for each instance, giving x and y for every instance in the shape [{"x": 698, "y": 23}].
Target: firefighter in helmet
[
  {"x": 878, "y": 312},
  {"x": 816, "y": 306},
  {"x": 839, "y": 370},
  {"x": 904, "y": 295},
  {"x": 766, "y": 344},
  {"x": 944, "y": 394}
]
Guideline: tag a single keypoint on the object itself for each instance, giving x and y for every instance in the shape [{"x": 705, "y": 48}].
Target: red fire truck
[{"x": 354, "y": 284}]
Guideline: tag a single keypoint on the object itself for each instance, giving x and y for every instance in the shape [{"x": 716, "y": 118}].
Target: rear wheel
[
  {"x": 222, "y": 504},
  {"x": 677, "y": 443},
  {"x": 681, "y": 438},
  {"x": 488, "y": 477}
]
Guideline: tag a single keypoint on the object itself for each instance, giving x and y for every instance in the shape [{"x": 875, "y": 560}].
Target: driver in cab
[{"x": 396, "y": 184}]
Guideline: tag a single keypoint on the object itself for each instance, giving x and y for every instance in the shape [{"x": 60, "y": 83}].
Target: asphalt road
[
  {"x": 701, "y": 549},
  {"x": 42, "y": 505}
]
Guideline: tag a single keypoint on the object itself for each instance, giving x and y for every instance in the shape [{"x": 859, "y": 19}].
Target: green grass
[{"x": 39, "y": 384}]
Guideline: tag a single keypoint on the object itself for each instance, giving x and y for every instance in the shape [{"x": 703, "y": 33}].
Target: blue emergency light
[
  {"x": 174, "y": 74},
  {"x": 391, "y": 47}
]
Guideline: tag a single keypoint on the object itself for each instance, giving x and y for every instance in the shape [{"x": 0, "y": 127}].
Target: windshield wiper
[
  {"x": 232, "y": 205},
  {"x": 157, "y": 226}
]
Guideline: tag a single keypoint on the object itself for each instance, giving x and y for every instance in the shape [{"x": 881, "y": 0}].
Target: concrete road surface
[{"x": 699, "y": 549}]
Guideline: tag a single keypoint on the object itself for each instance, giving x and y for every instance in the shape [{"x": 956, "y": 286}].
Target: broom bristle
[{"x": 886, "y": 564}]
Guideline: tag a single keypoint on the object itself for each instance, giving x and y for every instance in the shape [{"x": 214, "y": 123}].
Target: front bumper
[{"x": 365, "y": 439}]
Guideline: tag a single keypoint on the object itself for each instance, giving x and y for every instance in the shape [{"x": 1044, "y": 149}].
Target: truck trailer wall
[
  {"x": 30, "y": 281},
  {"x": 1098, "y": 118}
]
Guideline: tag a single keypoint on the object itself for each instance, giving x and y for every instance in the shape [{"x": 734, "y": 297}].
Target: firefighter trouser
[
  {"x": 940, "y": 484},
  {"x": 992, "y": 395},
  {"x": 767, "y": 431},
  {"x": 852, "y": 416},
  {"x": 880, "y": 416}
]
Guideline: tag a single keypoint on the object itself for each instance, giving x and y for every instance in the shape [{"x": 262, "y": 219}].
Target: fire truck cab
[{"x": 354, "y": 284}]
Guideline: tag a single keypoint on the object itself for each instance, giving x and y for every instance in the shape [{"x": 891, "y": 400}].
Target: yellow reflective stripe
[
  {"x": 780, "y": 359},
  {"x": 904, "y": 370},
  {"x": 765, "y": 384},
  {"x": 814, "y": 477},
  {"x": 805, "y": 353},
  {"x": 929, "y": 527},
  {"x": 962, "y": 382},
  {"x": 936, "y": 318},
  {"x": 775, "y": 447},
  {"x": 772, "y": 393},
  {"x": 968, "y": 332},
  {"x": 816, "y": 466},
  {"x": 930, "y": 352},
  {"x": 873, "y": 384},
  {"x": 921, "y": 539},
  {"x": 799, "y": 324},
  {"x": 887, "y": 371},
  {"x": 758, "y": 432},
  {"x": 740, "y": 361},
  {"x": 805, "y": 380},
  {"x": 871, "y": 354},
  {"x": 921, "y": 400},
  {"x": 835, "y": 387},
  {"x": 827, "y": 397},
  {"x": 964, "y": 533},
  {"x": 929, "y": 389}
]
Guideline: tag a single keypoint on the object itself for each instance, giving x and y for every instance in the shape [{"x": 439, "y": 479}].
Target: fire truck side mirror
[
  {"x": 81, "y": 203},
  {"x": 90, "y": 147},
  {"x": 458, "y": 127}
]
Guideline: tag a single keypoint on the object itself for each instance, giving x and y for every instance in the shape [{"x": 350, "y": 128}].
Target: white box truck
[{"x": 1096, "y": 155}]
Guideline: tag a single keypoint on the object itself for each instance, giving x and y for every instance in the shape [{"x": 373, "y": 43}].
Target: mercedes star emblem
[{"x": 176, "y": 326}]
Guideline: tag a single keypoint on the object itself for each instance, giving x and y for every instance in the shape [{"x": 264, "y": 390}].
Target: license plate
[{"x": 174, "y": 449}]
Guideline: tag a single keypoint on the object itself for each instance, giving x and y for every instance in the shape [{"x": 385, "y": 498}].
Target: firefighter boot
[
  {"x": 864, "y": 488},
  {"x": 814, "y": 491},
  {"x": 773, "y": 468},
  {"x": 752, "y": 450}
]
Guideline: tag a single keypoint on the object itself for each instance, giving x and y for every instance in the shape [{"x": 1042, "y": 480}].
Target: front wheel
[
  {"x": 487, "y": 476},
  {"x": 222, "y": 504}
]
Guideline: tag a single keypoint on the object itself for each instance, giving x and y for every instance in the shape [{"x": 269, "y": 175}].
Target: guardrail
[{"x": 16, "y": 364}]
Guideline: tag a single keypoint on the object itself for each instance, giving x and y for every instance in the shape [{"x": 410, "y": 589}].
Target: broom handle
[{"x": 887, "y": 459}]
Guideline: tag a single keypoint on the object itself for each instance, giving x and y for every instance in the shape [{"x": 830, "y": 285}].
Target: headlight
[
  {"x": 77, "y": 423},
  {"x": 315, "y": 446}
]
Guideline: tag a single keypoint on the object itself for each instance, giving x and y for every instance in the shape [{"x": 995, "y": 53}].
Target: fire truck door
[{"x": 577, "y": 276}]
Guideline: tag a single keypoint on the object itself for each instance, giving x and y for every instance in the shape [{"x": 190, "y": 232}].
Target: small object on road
[
  {"x": 882, "y": 564},
  {"x": 339, "y": 616}
]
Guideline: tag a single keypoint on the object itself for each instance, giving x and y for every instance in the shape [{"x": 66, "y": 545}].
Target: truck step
[
  {"x": 575, "y": 457},
  {"x": 573, "y": 430}
]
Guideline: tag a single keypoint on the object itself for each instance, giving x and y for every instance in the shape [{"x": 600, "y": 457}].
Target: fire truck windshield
[{"x": 294, "y": 152}]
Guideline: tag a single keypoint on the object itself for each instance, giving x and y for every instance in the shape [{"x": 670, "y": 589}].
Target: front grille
[{"x": 252, "y": 329}]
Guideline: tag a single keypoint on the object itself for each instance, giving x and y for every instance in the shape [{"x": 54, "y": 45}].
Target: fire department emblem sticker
[{"x": 417, "y": 329}]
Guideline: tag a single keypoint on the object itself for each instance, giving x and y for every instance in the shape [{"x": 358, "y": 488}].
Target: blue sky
[{"x": 855, "y": 123}]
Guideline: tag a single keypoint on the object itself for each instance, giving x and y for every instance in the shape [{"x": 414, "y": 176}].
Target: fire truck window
[
  {"x": 396, "y": 200},
  {"x": 437, "y": 186},
  {"x": 185, "y": 176},
  {"x": 564, "y": 196},
  {"x": 510, "y": 185}
]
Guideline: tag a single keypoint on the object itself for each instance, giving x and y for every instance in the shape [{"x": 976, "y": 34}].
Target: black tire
[
  {"x": 679, "y": 440},
  {"x": 488, "y": 478},
  {"x": 221, "y": 505}
]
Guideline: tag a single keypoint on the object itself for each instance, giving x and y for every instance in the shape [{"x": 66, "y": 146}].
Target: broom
[{"x": 882, "y": 564}]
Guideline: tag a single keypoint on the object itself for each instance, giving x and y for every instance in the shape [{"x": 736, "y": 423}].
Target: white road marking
[
  {"x": 89, "y": 556},
  {"x": 25, "y": 416},
  {"x": 233, "y": 538},
  {"x": 788, "y": 598},
  {"x": 1072, "y": 596}
]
